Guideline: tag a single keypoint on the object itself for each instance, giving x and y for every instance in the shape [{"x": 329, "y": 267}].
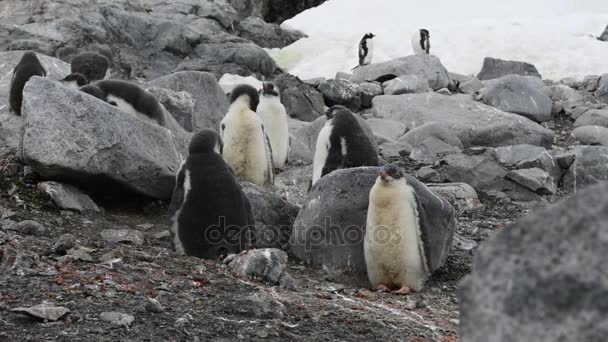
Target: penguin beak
[{"x": 383, "y": 175}]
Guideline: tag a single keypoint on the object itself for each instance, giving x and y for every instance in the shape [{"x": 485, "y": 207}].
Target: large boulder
[
  {"x": 604, "y": 35},
  {"x": 266, "y": 35},
  {"x": 330, "y": 228},
  {"x": 543, "y": 278},
  {"x": 602, "y": 90},
  {"x": 593, "y": 117},
  {"x": 528, "y": 156},
  {"x": 406, "y": 84},
  {"x": 523, "y": 95},
  {"x": 386, "y": 129},
  {"x": 495, "y": 68},
  {"x": 591, "y": 135},
  {"x": 590, "y": 167},
  {"x": 341, "y": 92},
  {"x": 272, "y": 11},
  {"x": 210, "y": 102},
  {"x": 72, "y": 137},
  {"x": 425, "y": 67},
  {"x": 475, "y": 124},
  {"x": 302, "y": 101}
]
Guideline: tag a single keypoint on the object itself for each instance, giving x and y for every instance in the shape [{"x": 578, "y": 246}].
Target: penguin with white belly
[
  {"x": 366, "y": 50},
  {"x": 246, "y": 146},
  {"x": 409, "y": 232},
  {"x": 421, "y": 42},
  {"x": 274, "y": 118}
]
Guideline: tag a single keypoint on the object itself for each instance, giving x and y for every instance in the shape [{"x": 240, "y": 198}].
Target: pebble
[
  {"x": 117, "y": 318},
  {"x": 28, "y": 227},
  {"x": 64, "y": 243},
  {"x": 154, "y": 306},
  {"x": 43, "y": 312}
]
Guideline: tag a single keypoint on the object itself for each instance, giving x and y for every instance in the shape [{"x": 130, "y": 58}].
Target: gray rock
[
  {"x": 261, "y": 305},
  {"x": 425, "y": 67},
  {"x": 78, "y": 254},
  {"x": 265, "y": 264},
  {"x": 590, "y": 83},
  {"x": 95, "y": 146},
  {"x": 564, "y": 94},
  {"x": 299, "y": 152},
  {"x": 462, "y": 196},
  {"x": 418, "y": 135},
  {"x": 302, "y": 101},
  {"x": 523, "y": 95},
  {"x": 557, "y": 108},
  {"x": 330, "y": 227},
  {"x": 543, "y": 278},
  {"x": 154, "y": 306},
  {"x": 389, "y": 129},
  {"x": 495, "y": 68},
  {"x": 10, "y": 129},
  {"x": 534, "y": 179},
  {"x": 395, "y": 150},
  {"x": 266, "y": 35},
  {"x": 406, "y": 84},
  {"x": 165, "y": 235},
  {"x": 274, "y": 11},
  {"x": 342, "y": 76},
  {"x": 431, "y": 150},
  {"x": 473, "y": 123},
  {"x": 341, "y": 92},
  {"x": 210, "y": 102},
  {"x": 593, "y": 117},
  {"x": 428, "y": 174},
  {"x": 368, "y": 91},
  {"x": 128, "y": 236},
  {"x": 591, "y": 135},
  {"x": 471, "y": 86},
  {"x": 179, "y": 104},
  {"x": 28, "y": 227},
  {"x": 528, "y": 156},
  {"x": 604, "y": 35},
  {"x": 64, "y": 243},
  {"x": 292, "y": 184},
  {"x": 68, "y": 197},
  {"x": 273, "y": 216},
  {"x": 590, "y": 167},
  {"x": 444, "y": 91},
  {"x": 43, "y": 312},
  {"x": 602, "y": 89},
  {"x": 117, "y": 318}
]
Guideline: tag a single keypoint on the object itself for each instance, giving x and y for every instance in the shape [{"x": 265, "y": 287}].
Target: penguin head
[
  {"x": 390, "y": 173},
  {"x": 76, "y": 78},
  {"x": 369, "y": 35},
  {"x": 93, "y": 90},
  {"x": 29, "y": 57},
  {"x": 269, "y": 89},
  {"x": 205, "y": 141},
  {"x": 247, "y": 93},
  {"x": 424, "y": 34},
  {"x": 333, "y": 110}
]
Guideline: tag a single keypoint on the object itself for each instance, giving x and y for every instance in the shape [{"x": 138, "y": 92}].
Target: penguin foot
[
  {"x": 382, "y": 288},
  {"x": 404, "y": 291}
]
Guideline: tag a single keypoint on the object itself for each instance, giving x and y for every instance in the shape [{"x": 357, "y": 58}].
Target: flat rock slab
[
  {"x": 68, "y": 197},
  {"x": 591, "y": 135},
  {"x": 117, "y": 318},
  {"x": 266, "y": 264},
  {"x": 43, "y": 312},
  {"x": 495, "y": 68}
]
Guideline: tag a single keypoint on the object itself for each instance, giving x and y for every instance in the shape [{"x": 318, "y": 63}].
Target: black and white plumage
[
  {"x": 274, "y": 118},
  {"x": 212, "y": 216},
  {"x": 421, "y": 42},
  {"x": 129, "y": 98},
  {"x": 28, "y": 66},
  {"x": 92, "y": 65},
  {"x": 366, "y": 49},
  {"x": 341, "y": 144},
  {"x": 409, "y": 231},
  {"x": 75, "y": 80},
  {"x": 246, "y": 146}
]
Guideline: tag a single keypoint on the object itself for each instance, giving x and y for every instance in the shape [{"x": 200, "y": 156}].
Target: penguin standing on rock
[
  {"x": 211, "y": 215},
  {"x": 366, "y": 50},
  {"x": 246, "y": 146},
  {"x": 274, "y": 118},
  {"x": 28, "y": 66},
  {"x": 341, "y": 144},
  {"x": 421, "y": 42},
  {"x": 409, "y": 232},
  {"x": 129, "y": 98}
]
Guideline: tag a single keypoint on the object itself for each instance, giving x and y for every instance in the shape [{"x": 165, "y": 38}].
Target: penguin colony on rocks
[{"x": 211, "y": 215}]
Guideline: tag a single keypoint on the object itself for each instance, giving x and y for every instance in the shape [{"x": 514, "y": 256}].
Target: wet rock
[
  {"x": 406, "y": 84},
  {"x": 389, "y": 129},
  {"x": 95, "y": 146},
  {"x": 542, "y": 278},
  {"x": 28, "y": 227},
  {"x": 68, "y": 197},
  {"x": 341, "y": 92},
  {"x": 154, "y": 306},
  {"x": 43, "y": 312},
  {"x": 590, "y": 166},
  {"x": 495, "y": 68},
  {"x": 210, "y": 101},
  {"x": 302, "y": 101},
  {"x": 591, "y": 135},
  {"x": 64, "y": 243},
  {"x": 461, "y": 195},
  {"x": 523, "y": 95},
  {"x": 534, "y": 179},
  {"x": 593, "y": 117},
  {"x": 261, "y": 305},
  {"x": 265, "y": 264},
  {"x": 473, "y": 123},
  {"x": 117, "y": 318},
  {"x": 128, "y": 236},
  {"x": 425, "y": 67}
]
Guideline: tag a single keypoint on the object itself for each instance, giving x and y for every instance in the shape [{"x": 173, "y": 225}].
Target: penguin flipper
[
  {"x": 178, "y": 192},
  {"x": 270, "y": 162}
]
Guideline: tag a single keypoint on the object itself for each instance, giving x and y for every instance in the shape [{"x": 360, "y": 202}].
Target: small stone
[
  {"x": 154, "y": 306},
  {"x": 80, "y": 254},
  {"x": 165, "y": 235},
  {"x": 117, "y": 318},
  {"x": 428, "y": 174},
  {"x": 463, "y": 243},
  {"x": 123, "y": 236},
  {"x": 261, "y": 305},
  {"x": 43, "y": 312},
  {"x": 144, "y": 227},
  {"x": 64, "y": 243},
  {"x": 29, "y": 227},
  {"x": 183, "y": 321}
]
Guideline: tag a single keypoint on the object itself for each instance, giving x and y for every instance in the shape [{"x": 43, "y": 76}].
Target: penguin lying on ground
[
  {"x": 409, "y": 232},
  {"x": 28, "y": 66},
  {"x": 421, "y": 42},
  {"x": 341, "y": 144},
  {"x": 274, "y": 118},
  {"x": 212, "y": 217},
  {"x": 129, "y": 98},
  {"x": 246, "y": 147},
  {"x": 75, "y": 80}
]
